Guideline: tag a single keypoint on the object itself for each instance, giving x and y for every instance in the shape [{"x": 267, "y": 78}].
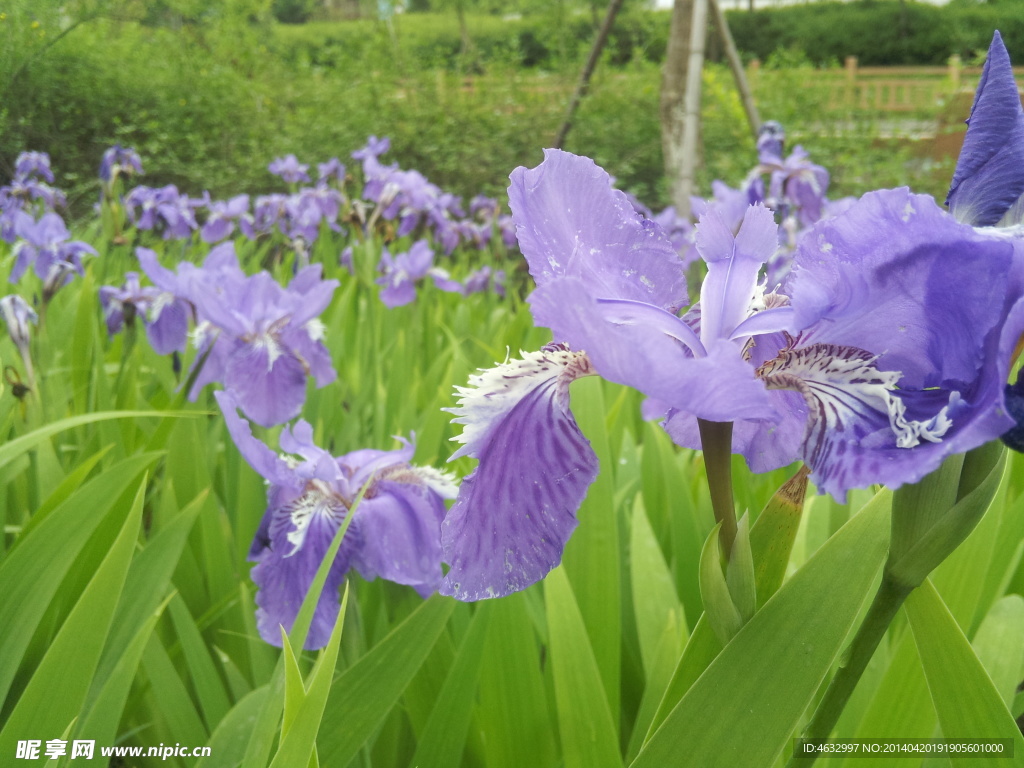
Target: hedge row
[{"x": 878, "y": 32}]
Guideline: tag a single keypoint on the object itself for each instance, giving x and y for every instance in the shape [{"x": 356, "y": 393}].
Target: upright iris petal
[{"x": 988, "y": 183}]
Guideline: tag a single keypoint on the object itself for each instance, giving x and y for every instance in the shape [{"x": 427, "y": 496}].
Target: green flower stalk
[{"x": 930, "y": 519}]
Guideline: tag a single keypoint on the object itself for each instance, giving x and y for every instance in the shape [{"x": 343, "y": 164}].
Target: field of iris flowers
[{"x": 228, "y": 528}]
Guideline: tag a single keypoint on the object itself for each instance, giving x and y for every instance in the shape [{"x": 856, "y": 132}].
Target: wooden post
[
  {"x": 739, "y": 75},
  {"x": 691, "y": 108},
  {"x": 851, "y": 81},
  {"x": 588, "y": 70},
  {"x": 954, "y": 71}
]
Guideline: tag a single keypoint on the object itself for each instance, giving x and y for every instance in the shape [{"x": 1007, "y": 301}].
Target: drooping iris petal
[
  {"x": 167, "y": 324},
  {"x": 570, "y": 222},
  {"x": 515, "y": 513},
  {"x": 989, "y": 175},
  {"x": 269, "y": 381},
  {"x": 897, "y": 276},
  {"x": 284, "y": 572},
  {"x": 399, "y": 531},
  {"x": 908, "y": 319}
]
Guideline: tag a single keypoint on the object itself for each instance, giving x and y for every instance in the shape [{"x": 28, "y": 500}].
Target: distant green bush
[{"x": 879, "y": 32}]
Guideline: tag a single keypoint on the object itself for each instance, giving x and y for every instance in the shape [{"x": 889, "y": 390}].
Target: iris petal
[
  {"x": 858, "y": 428},
  {"x": 989, "y": 175},
  {"x": 571, "y": 223},
  {"x": 515, "y": 513}
]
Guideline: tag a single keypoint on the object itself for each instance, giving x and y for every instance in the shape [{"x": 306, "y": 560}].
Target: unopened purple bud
[{"x": 17, "y": 314}]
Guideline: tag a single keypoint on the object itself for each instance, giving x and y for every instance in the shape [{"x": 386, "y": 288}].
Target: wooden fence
[{"x": 893, "y": 89}]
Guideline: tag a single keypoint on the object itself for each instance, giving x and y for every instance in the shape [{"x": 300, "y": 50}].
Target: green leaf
[
  {"x": 774, "y": 532},
  {"x": 513, "y": 716},
  {"x": 299, "y": 737},
  {"x": 148, "y": 581},
  {"x": 231, "y": 737},
  {"x": 740, "y": 576},
  {"x": 721, "y": 612},
  {"x": 364, "y": 694},
  {"x": 967, "y": 702},
  {"x": 899, "y": 706},
  {"x": 104, "y": 714},
  {"x": 654, "y": 590},
  {"x": 61, "y": 493},
  {"x": 750, "y": 699},
  {"x": 444, "y": 735},
  {"x": 584, "y": 721},
  {"x": 56, "y": 693},
  {"x": 592, "y": 555},
  {"x": 180, "y": 720},
  {"x": 701, "y": 649},
  {"x": 666, "y": 654},
  {"x": 933, "y": 517},
  {"x": 14, "y": 448},
  {"x": 999, "y": 644},
  {"x": 294, "y": 688},
  {"x": 36, "y": 565},
  {"x": 213, "y": 698}
]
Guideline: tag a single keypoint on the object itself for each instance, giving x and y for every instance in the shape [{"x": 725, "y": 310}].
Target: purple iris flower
[
  {"x": 897, "y": 352},
  {"x": 796, "y": 187},
  {"x": 484, "y": 207},
  {"x": 163, "y": 210},
  {"x": 268, "y": 212},
  {"x": 400, "y": 273},
  {"x": 290, "y": 169},
  {"x": 164, "y": 315},
  {"x": 264, "y": 341},
  {"x": 771, "y": 137},
  {"x": 507, "y": 227},
  {"x": 884, "y": 353},
  {"x": 332, "y": 169},
  {"x": 119, "y": 161},
  {"x": 13, "y": 219},
  {"x": 31, "y": 174},
  {"x": 395, "y": 534},
  {"x": 46, "y": 245},
  {"x": 374, "y": 148},
  {"x": 17, "y": 314},
  {"x": 220, "y": 222},
  {"x": 988, "y": 183},
  {"x": 33, "y": 164}
]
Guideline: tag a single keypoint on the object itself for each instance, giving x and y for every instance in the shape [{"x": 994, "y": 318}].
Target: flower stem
[
  {"x": 716, "y": 441},
  {"x": 890, "y": 596}
]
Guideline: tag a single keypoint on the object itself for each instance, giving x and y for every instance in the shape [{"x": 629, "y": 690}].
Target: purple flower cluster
[
  {"x": 260, "y": 340},
  {"x": 46, "y": 245},
  {"x": 164, "y": 316},
  {"x": 29, "y": 194},
  {"x": 884, "y": 350},
  {"x": 394, "y": 534},
  {"x": 400, "y": 273},
  {"x": 420, "y": 206},
  {"x": 164, "y": 210},
  {"x": 119, "y": 161}
]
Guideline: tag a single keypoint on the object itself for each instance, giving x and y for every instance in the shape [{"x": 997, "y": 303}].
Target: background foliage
[{"x": 210, "y": 92}]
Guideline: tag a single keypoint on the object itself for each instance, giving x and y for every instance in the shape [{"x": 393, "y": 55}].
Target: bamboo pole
[
  {"x": 738, "y": 73},
  {"x": 588, "y": 70}
]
